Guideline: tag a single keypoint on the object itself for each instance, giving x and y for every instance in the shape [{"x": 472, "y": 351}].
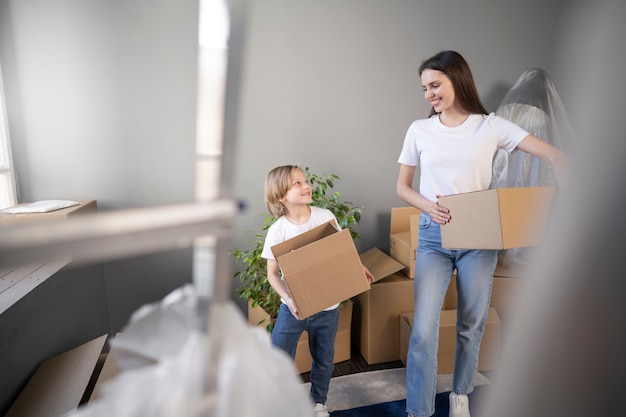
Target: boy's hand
[
  {"x": 368, "y": 274},
  {"x": 292, "y": 307}
]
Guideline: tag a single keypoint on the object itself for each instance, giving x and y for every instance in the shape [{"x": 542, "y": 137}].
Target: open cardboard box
[
  {"x": 321, "y": 268},
  {"x": 404, "y": 230},
  {"x": 501, "y": 218}
]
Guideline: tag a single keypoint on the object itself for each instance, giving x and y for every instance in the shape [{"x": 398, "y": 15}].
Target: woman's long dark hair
[{"x": 456, "y": 68}]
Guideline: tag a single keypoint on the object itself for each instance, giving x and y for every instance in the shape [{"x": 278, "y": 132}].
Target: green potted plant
[{"x": 253, "y": 285}]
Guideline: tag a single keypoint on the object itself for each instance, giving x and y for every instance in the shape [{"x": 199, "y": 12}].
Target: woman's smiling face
[{"x": 438, "y": 90}]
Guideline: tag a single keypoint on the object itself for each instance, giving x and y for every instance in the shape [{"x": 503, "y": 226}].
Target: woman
[{"x": 454, "y": 148}]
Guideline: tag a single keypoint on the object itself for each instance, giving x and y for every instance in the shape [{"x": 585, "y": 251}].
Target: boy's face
[{"x": 300, "y": 190}]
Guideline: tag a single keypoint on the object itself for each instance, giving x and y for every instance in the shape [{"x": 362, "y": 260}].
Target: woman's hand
[
  {"x": 404, "y": 188},
  {"x": 439, "y": 214}
]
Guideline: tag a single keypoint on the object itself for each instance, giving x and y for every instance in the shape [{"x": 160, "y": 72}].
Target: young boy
[{"x": 288, "y": 198}]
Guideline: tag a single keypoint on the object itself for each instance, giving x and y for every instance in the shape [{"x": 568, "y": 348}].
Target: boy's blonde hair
[{"x": 277, "y": 184}]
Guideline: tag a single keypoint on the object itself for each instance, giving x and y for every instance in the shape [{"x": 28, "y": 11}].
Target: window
[{"x": 8, "y": 193}]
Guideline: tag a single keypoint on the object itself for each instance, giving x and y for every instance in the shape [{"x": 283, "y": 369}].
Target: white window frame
[{"x": 8, "y": 189}]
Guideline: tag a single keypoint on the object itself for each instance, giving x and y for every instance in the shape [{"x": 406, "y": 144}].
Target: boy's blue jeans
[
  {"x": 322, "y": 330},
  {"x": 433, "y": 271}
]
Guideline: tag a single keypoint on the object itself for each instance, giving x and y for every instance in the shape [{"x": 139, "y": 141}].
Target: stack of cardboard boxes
[
  {"x": 492, "y": 219},
  {"x": 384, "y": 314}
]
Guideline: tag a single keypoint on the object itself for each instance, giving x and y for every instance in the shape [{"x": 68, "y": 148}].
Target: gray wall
[
  {"x": 101, "y": 100},
  {"x": 333, "y": 85}
]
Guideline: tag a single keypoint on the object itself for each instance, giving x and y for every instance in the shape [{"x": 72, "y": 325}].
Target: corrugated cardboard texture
[
  {"x": 505, "y": 294},
  {"x": 401, "y": 250},
  {"x": 380, "y": 264},
  {"x": 376, "y": 318},
  {"x": 401, "y": 218},
  {"x": 524, "y": 214},
  {"x": 502, "y": 218},
  {"x": 489, "y": 346},
  {"x": 59, "y": 383},
  {"x": 510, "y": 272},
  {"x": 404, "y": 229},
  {"x": 475, "y": 221},
  {"x": 321, "y": 269},
  {"x": 304, "y": 239}
]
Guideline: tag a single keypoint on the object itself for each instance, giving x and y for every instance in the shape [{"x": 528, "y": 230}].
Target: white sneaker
[
  {"x": 321, "y": 410},
  {"x": 459, "y": 405}
]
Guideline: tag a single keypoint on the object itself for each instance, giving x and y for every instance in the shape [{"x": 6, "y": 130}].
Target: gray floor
[{"x": 374, "y": 387}]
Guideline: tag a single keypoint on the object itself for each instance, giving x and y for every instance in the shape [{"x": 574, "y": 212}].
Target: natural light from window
[{"x": 8, "y": 195}]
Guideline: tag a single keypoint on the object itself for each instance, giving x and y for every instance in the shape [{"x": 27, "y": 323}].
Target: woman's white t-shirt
[
  {"x": 457, "y": 159},
  {"x": 282, "y": 230}
]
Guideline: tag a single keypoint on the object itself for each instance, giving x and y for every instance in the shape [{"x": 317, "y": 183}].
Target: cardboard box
[
  {"x": 85, "y": 206},
  {"x": 380, "y": 264},
  {"x": 450, "y": 299},
  {"x": 501, "y": 218},
  {"x": 404, "y": 230},
  {"x": 321, "y": 268},
  {"x": 375, "y": 320},
  {"x": 511, "y": 271},
  {"x": 303, "y": 361},
  {"x": 59, "y": 383},
  {"x": 489, "y": 347},
  {"x": 109, "y": 370},
  {"x": 505, "y": 292}
]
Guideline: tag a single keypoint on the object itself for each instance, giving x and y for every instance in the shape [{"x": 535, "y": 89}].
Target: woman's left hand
[{"x": 439, "y": 214}]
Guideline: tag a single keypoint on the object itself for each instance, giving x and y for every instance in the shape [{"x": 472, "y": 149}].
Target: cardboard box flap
[
  {"x": 380, "y": 264},
  {"x": 110, "y": 370},
  {"x": 59, "y": 383},
  {"x": 401, "y": 218},
  {"x": 304, "y": 239},
  {"x": 324, "y": 272}
]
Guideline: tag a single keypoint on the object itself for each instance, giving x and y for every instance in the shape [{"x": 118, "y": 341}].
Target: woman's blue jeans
[
  {"x": 322, "y": 330},
  {"x": 434, "y": 267}
]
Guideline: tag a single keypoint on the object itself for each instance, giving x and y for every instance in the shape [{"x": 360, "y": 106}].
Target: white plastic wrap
[
  {"x": 165, "y": 364},
  {"x": 534, "y": 104}
]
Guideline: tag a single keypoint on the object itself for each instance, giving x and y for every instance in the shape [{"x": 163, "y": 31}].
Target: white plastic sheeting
[
  {"x": 534, "y": 104},
  {"x": 164, "y": 367}
]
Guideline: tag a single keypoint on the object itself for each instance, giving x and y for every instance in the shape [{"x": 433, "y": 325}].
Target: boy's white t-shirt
[
  {"x": 282, "y": 230},
  {"x": 457, "y": 159}
]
